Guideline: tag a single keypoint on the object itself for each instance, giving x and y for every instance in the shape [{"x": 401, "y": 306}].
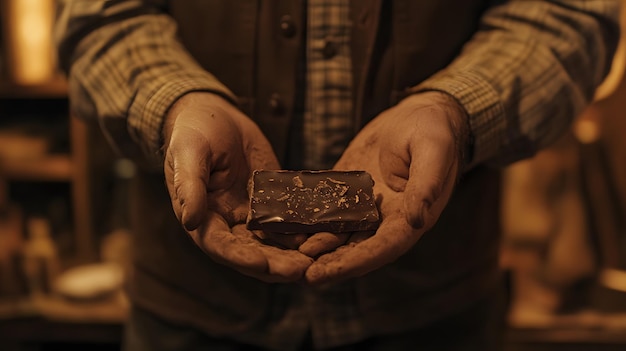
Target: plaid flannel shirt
[{"x": 132, "y": 110}]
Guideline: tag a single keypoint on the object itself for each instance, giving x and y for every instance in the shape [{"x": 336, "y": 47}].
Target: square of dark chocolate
[{"x": 312, "y": 202}]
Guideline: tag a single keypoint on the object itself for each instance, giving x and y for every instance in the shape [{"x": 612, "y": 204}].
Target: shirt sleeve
[
  {"x": 528, "y": 71},
  {"x": 126, "y": 68}
]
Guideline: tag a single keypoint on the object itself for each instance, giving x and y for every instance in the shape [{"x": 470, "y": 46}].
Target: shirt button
[
  {"x": 287, "y": 26},
  {"x": 330, "y": 49},
  {"x": 276, "y": 105}
]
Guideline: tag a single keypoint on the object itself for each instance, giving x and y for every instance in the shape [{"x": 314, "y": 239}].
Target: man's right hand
[{"x": 211, "y": 149}]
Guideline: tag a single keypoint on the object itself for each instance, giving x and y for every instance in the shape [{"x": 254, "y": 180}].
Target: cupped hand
[
  {"x": 210, "y": 150},
  {"x": 413, "y": 152}
]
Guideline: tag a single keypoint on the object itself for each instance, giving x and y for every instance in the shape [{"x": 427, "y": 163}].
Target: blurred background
[{"x": 64, "y": 237}]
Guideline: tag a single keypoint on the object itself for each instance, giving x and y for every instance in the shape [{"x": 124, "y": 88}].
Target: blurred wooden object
[
  {"x": 81, "y": 192},
  {"x": 546, "y": 242},
  {"x": 596, "y": 151},
  {"x": 11, "y": 242},
  {"x": 601, "y": 130},
  {"x": 85, "y": 166},
  {"x": 28, "y": 40},
  {"x": 29, "y": 77},
  {"x": 48, "y": 323}
]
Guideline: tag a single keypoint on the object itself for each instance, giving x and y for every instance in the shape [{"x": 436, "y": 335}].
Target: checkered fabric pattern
[{"x": 327, "y": 125}]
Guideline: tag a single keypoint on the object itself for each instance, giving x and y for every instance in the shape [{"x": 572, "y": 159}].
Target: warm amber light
[
  {"x": 613, "y": 279},
  {"x": 616, "y": 75},
  {"x": 587, "y": 131},
  {"x": 30, "y": 40}
]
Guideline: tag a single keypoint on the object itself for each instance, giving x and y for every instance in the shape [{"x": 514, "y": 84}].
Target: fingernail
[
  {"x": 425, "y": 210},
  {"x": 416, "y": 216},
  {"x": 187, "y": 222},
  {"x": 314, "y": 274}
]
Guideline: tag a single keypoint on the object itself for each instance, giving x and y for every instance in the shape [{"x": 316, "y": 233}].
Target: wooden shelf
[
  {"x": 565, "y": 339},
  {"x": 568, "y": 335},
  {"x": 112, "y": 309},
  {"x": 56, "y": 88},
  {"x": 48, "y": 320},
  {"x": 49, "y": 168}
]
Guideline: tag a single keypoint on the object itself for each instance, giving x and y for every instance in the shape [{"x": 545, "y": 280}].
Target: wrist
[
  {"x": 458, "y": 119},
  {"x": 190, "y": 100}
]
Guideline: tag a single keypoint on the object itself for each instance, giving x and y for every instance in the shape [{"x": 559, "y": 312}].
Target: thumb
[
  {"x": 429, "y": 175},
  {"x": 187, "y": 176}
]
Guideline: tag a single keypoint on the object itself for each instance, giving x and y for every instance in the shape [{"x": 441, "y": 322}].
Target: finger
[
  {"x": 393, "y": 239},
  {"x": 394, "y": 160},
  {"x": 219, "y": 243},
  {"x": 357, "y": 237},
  {"x": 169, "y": 177},
  {"x": 324, "y": 242},
  {"x": 286, "y": 241},
  {"x": 285, "y": 265},
  {"x": 260, "y": 154},
  {"x": 282, "y": 265},
  {"x": 188, "y": 176},
  {"x": 429, "y": 173}
]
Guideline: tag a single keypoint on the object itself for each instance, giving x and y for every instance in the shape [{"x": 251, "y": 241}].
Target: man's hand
[
  {"x": 211, "y": 149},
  {"x": 413, "y": 151}
]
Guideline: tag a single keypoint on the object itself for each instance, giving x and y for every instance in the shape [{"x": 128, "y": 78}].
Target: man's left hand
[{"x": 414, "y": 153}]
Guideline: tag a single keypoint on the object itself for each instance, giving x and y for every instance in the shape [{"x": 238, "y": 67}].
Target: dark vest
[{"x": 255, "y": 48}]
